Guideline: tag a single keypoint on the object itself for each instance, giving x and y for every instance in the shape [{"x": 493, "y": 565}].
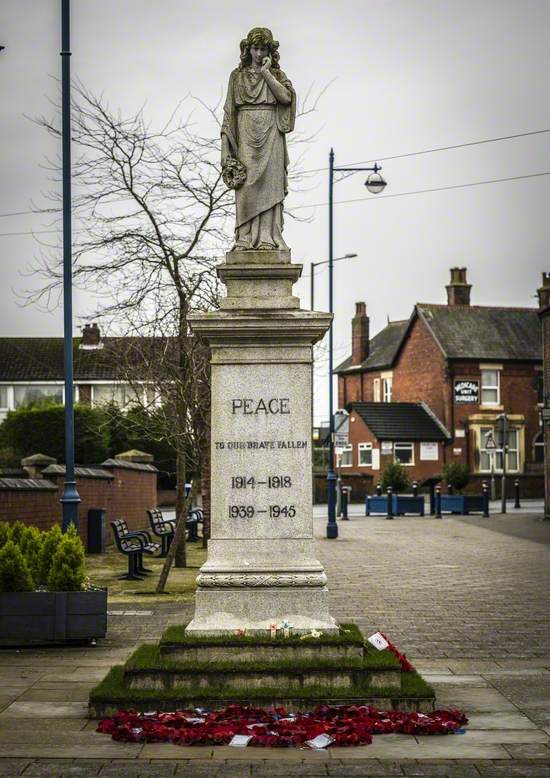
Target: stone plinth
[{"x": 261, "y": 566}]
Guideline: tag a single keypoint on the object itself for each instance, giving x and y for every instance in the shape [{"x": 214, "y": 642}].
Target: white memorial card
[
  {"x": 240, "y": 741},
  {"x": 378, "y": 641},
  {"x": 320, "y": 742}
]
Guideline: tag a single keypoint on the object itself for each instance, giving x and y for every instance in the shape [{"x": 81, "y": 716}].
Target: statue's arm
[
  {"x": 280, "y": 91},
  {"x": 228, "y": 130}
]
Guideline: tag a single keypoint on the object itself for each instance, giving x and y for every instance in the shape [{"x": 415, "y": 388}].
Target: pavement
[{"x": 465, "y": 598}]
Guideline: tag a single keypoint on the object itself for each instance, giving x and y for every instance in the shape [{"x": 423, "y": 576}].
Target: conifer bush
[
  {"x": 396, "y": 476},
  {"x": 67, "y": 572},
  {"x": 5, "y": 533},
  {"x": 15, "y": 575},
  {"x": 50, "y": 543},
  {"x": 17, "y": 531},
  {"x": 31, "y": 546}
]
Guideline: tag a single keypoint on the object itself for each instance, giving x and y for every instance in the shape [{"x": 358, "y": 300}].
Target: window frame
[
  {"x": 490, "y": 387},
  {"x": 376, "y": 393},
  {"x": 387, "y": 389},
  {"x": 402, "y": 444},
  {"x": 345, "y": 449},
  {"x": 364, "y": 447},
  {"x": 495, "y": 455}
]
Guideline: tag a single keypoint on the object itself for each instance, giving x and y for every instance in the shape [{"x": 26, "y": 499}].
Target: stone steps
[
  {"x": 237, "y": 676},
  {"x": 184, "y": 672}
]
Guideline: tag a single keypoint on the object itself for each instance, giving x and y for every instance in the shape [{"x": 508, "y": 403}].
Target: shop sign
[
  {"x": 466, "y": 391},
  {"x": 429, "y": 452}
]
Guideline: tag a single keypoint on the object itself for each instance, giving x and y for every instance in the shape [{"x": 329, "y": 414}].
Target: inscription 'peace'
[{"x": 248, "y": 406}]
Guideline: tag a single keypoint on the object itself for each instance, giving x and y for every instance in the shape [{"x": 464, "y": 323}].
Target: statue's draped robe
[{"x": 256, "y": 125}]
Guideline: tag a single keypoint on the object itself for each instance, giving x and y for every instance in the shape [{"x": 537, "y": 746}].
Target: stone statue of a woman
[{"x": 260, "y": 109}]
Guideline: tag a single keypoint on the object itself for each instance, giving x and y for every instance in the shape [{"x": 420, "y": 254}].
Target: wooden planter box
[
  {"x": 52, "y": 617},
  {"x": 402, "y": 504},
  {"x": 461, "y": 503}
]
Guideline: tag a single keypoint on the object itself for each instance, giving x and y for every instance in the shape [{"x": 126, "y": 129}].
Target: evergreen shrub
[
  {"x": 15, "y": 575},
  {"x": 456, "y": 475},
  {"x": 396, "y": 476},
  {"x": 67, "y": 572},
  {"x": 50, "y": 543}
]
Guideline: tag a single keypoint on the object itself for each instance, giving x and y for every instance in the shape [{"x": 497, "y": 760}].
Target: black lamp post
[
  {"x": 375, "y": 184},
  {"x": 70, "y": 498}
]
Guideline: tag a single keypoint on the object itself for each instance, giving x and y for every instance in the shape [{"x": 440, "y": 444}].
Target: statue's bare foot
[
  {"x": 241, "y": 245},
  {"x": 266, "y": 247}
]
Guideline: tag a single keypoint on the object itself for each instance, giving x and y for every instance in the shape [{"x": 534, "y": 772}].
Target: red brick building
[
  {"x": 544, "y": 313},
  {"x": 467, "y": 364}
]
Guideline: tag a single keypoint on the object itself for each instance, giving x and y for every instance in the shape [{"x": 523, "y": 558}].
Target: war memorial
[{"x": 262, "y": 631}]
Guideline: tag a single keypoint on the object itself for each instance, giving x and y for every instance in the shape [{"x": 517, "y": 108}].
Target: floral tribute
[
  {"x": 345, "y": 725},
  {"x": 401, "y": 658}
]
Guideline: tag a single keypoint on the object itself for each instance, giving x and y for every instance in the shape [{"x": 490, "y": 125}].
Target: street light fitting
[
  {"x": 375, "y": 183},
  {"x": 350, "y": 256}
]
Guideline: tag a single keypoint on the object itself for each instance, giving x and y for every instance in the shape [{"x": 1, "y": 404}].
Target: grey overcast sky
[{"x": 408, "y": 75}]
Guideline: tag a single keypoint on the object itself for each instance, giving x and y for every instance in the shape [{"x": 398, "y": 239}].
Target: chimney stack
[
  {"x": 90, "y": 336},
  {"x": 544, "y": 292},
  {"x": 458, "y": 291},
  {"x": 359, "y": 334}
]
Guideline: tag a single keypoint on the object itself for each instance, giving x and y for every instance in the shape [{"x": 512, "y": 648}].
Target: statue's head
[{"x": 259, "y": 37}]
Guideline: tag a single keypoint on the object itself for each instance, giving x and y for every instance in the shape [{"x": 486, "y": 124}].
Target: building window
[
  {"x": 103, "y": 394},
  {"x": 538, "y": 448},
  {"x": 540, "y": 389},
  {"x": 32, "y": 393},
  {"x": 346, "y": 456},
  {"x": 490, "y": 460},
  {"x": 404, "y": 453},
  {"x": 4, "y": 397},
  {"x": 376, "y": 390},
  {"x": 490, "y": 387},
  {"x": 365, "y": 454},
  {"x": 387, "y": 389}
]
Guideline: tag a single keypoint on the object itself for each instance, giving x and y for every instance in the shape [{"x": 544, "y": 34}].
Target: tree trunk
[
  {"x": 180, "y": 556},
  {"x": 180, "y": 532}
]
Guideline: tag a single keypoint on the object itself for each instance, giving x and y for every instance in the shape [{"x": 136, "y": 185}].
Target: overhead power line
[
  {"x": 424, "y": 191},
  {"x": 346, "y": 202},
  {"x": 435, "y": 149},
  {"x": 351, "y": 164}
]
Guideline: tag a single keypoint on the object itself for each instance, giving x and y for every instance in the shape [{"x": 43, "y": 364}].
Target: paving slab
[
  {"x": 458, "y": 680},
  {"x": 42, "y": 725},
  {"x": 41, "y": 751},
  {"x": 47, "y": 710},
  {"x": 506, "y": 720},
  {"x": 529, "y": 750},
  {"x": 473, "y": 700},
  {"x": 56, "y": 695},
  {"x": 170, "y": 751}
]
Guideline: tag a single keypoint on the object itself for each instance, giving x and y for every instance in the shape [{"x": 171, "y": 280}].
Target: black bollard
[
  {"x": 432, "y": 498},
  {"x": 389, "y": 514},
  {"x": 415, "y": 488},
  {"x": 344, "y": 510},
  {"x": 438, "y": 503},
  {"x": 485, "y": 490},
  {"x": 517, "y": 503},
  {"x": 378, "y": 490}
]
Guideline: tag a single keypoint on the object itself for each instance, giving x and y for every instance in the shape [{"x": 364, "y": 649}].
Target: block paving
[{"x": 465, "y": 599}]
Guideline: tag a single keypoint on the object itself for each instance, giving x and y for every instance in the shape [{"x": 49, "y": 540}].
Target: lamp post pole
[
  {"x": 375, "y": 184},
  {"x": 312, "y": 276},
  {"x": 70, "y": 498}
]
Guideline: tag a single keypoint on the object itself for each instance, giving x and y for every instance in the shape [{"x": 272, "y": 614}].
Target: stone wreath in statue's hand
[{"x": 233, "y": 173}]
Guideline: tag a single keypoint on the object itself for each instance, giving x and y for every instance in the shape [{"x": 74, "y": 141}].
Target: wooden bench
[{"x": 133, "y": 544}]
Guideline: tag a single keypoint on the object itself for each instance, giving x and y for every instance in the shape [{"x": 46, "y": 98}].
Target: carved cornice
[{"x": 260, "y": 580}]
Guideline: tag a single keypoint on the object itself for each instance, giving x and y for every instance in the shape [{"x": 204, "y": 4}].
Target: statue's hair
[{"x": 259, "y": 35}]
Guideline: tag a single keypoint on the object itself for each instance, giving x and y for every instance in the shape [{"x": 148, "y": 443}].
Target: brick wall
[
  {"x": 37, "y": 505},
  {"x": 123, "y": 490},
  {"x": 545, "y": 319},
  {"x": 360, "y": 433},
  {"x": 134, "y": 489},
  {"x": 420, "y": 374}
]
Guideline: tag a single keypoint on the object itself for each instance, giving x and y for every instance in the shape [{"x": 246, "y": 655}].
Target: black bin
[{"x": 96, "y": 531}]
